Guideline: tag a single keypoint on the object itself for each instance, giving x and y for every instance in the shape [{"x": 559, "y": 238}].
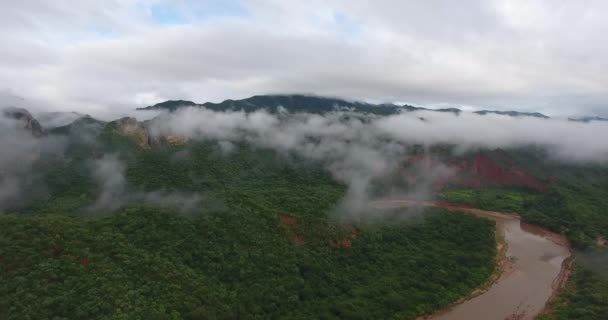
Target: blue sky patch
[{"x": 186, "y": 13}]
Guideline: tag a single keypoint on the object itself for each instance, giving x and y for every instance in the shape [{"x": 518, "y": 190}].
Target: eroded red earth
[
  {"x": 292, "y": 228},
  {"x": 485, "y": 167},
  {"x": 480, "y": 172}
]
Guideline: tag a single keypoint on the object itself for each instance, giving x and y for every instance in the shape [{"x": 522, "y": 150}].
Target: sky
[{"x": 95, "y": 56}]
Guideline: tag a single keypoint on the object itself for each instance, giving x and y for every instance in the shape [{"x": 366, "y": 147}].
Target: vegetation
[
  {"x": 580, "y": 212},
  {"x": 245, "y": 176},
  {"x": 152, "y": 264},
  {"x": 576, "y": 205},
  {"x": 261, "y": 245},
  {"x": 585, "y": 298},
  {"x": 498, "y": 199}
]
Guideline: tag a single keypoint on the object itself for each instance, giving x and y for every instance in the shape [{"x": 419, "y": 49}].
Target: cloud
[
  {"x": 360, "y": 150},
  {"x": 109, "y": 172},
  {"x": 20, "y": 150},
  {"x": 114, "y": 191},
  {"x": 495, "y": 54},
  {"x": 49, "y": 120},
  {"x": 372, "y": 138},
  {"x": 566, "y": 140}
]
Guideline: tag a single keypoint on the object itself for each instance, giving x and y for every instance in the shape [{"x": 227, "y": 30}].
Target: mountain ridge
[
  {"x": 513, "y": 113},
  {"x": 588, "y": 119},
  {"x": 317, "y": 104},
  {"x": 290, "y": 103}
]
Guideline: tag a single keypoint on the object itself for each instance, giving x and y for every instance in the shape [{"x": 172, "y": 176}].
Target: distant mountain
[
  {"x": 317, "y": 104},
  {"x": 170, "y": 105},
  {"x": 588, "y": 119},
  {"x": 452, "y": 110},
  {"x": 293, "y": 103},
  {"x": 513, "y": 113}
]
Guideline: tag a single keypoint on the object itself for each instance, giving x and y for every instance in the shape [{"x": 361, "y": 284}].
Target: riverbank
[{"x": 532, "y": 266}]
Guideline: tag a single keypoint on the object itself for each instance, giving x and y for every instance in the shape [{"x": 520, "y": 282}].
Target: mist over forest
[{"x": 263, "y": 159}]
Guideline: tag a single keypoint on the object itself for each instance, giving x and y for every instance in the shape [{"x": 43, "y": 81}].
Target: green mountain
[
  {"x": 170, "y": 105},
  {"x": 315, "y": 104},
  {"x": 118, "y": 221},
  {"x": 289, "y": 103}
]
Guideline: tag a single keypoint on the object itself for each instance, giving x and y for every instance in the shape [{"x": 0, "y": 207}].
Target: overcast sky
[{"x": 88, "y": 56}]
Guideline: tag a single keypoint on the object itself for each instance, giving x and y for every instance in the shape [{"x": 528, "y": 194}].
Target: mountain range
[{"x": 315, "y": 104}]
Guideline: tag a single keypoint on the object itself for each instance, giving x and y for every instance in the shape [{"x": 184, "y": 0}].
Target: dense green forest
[
  {"x": 261, "y": 243},
  {"x": 584, "y": 298},
  {"x": 148, "y": 264},
  {"x": 578, "y": 211},
  {"x": 251, "y": 233},
  {"x": 152, "y": 264}
]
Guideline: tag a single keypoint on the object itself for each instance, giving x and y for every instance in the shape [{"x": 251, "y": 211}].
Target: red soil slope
[
  {"x": 494, "y": 175},
  {"x": 480, "y": 172}
]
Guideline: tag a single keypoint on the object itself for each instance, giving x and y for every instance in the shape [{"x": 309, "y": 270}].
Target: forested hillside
[
  {"x": 240, "y": 263},
  {"x": 106, "y": 240},
  {"x": 126, "y": 219}
]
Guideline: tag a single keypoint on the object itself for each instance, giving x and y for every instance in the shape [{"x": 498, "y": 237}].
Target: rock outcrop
[
  {"x": 134, "y": 130},
  {"x": 24, "y": 120},
  {"x": 172, "y": 140},
  {"x": 140, "y": 133}
]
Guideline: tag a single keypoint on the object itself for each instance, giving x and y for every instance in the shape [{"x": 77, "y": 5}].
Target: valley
[
  {"x": 532, "y": 267},
  {"x": 303, "y": 160},
  {"x": 226, "y": 214}
]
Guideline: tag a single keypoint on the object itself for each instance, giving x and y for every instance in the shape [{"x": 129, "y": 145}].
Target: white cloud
[
  {"x": 89, "y": 56},
  {"x": 357, "y": 149},
  {"x": 376, "y": 141}
]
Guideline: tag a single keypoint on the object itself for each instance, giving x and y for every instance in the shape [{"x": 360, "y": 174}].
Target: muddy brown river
[{"x": 532, "y": 269}]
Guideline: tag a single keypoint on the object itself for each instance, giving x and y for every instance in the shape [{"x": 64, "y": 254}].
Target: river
[{"x": 532, "y": 269}]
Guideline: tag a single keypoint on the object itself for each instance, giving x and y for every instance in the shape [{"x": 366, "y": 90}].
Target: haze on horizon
[{"x": 95, "y": 56}]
